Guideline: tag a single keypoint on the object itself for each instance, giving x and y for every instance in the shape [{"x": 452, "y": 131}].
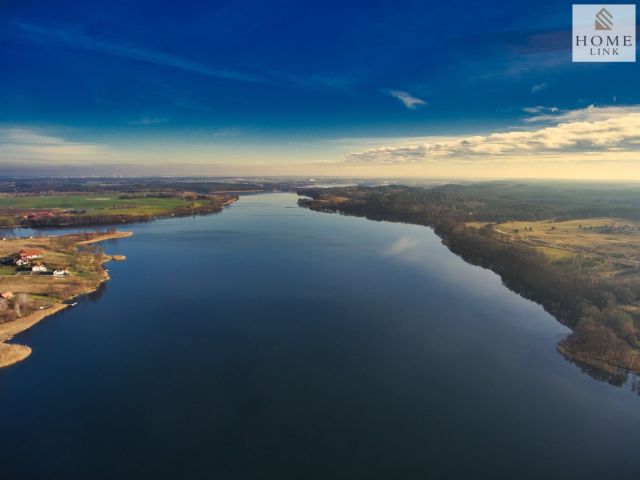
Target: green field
[
  {"x": 7, "y": 270},
  {"x": 96, "y": 203},
  {"x": 105, "y": 208}
]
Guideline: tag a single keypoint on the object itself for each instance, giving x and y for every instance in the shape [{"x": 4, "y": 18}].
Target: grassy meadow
[{"x": 95, "y": 203}]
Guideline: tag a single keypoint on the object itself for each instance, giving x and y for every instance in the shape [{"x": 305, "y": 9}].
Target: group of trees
[
  {"x": 491, "y": 201},
  {"x": 603, "y": 334},
  {"x": 88, "y": 259},
  {"x": 20, "y": 305},
  {"x": 131, "y": 186},
  {"x": 64, "y": 220}
]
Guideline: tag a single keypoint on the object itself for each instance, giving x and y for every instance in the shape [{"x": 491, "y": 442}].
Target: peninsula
[
  {"x": 39, "y": 276},
  {"x": 78, "y": 208}
]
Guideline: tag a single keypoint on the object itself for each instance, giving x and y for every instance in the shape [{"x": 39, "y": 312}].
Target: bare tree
[{"x": 22, "y": 304}]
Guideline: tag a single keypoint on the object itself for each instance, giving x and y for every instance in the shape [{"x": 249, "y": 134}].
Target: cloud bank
[
  {"x": 23, "y": 145},
  {"x": 610, "y": 130}
]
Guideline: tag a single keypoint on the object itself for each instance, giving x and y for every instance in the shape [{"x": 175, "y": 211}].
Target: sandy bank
[
  {"x": 10, "y": 354},
  {"x": 13, "y": 353},
  {"x": 106, "y": 236}
]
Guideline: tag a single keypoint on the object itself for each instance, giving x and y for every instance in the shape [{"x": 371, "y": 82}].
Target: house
[
  {"x": 30, "y": 254},
  {"x": 21, "y": 262},
  {"x": 6, "y": 295},
  {"x": 39, "y": 268},
  {"x": 61, "y": 272}
]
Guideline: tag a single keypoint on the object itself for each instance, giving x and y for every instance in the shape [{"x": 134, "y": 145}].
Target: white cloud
[
  {"x": 146, "y": 121},
  {"x": 588, "y": 114},
  {"x": 406, "y": 98},
  {"x": 538, "y": 109},
  {"x": 578, "y": 132},
  {"x": 539, "y": 87},
  {"x": 19, "y": 145}
]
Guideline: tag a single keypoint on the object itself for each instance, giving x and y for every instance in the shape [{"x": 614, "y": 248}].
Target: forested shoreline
[
  {"x": 53, "y": 217},
  {"x": 605, "y": 339}
]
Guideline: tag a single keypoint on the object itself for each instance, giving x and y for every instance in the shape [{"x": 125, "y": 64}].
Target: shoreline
[
  {"x": 206, "y": 209},
  {"x": 12, "y": 353},
  {"x": 105, "y": 237},
  {"x": 613, "y": 363}
]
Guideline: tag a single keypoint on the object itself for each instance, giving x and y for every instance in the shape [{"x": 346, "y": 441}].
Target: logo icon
[
  {"x": 603, "y": 33},
  {"x": 604, "y": 20}
]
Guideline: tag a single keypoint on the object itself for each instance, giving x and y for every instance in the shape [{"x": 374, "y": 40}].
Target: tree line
[{"x": 604, "y": 336}]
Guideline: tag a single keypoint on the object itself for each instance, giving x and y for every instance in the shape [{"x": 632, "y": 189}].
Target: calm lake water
[{"x": 270, "y": 341}]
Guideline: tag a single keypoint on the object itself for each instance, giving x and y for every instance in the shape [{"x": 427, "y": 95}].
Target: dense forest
[
  {"x": 136, "y": 185},
  {"x": 606, "y": 337},
  {"x": 53, "y": 186}
]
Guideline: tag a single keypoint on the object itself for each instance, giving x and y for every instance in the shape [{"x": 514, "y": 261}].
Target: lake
[{"x": 270, "y": 341}]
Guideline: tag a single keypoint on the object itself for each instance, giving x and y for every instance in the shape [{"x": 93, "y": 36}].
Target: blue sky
[{"x": 248, "y": 86}]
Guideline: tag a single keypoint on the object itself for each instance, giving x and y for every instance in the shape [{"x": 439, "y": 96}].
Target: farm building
[
  {"x": 61, "y": 272},
  {"x": 30, "y": 254},
  {"x": 39, "y": 268}
]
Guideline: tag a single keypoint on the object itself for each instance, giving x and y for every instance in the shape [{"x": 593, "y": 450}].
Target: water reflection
[{"x": 260, "y": 344}]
